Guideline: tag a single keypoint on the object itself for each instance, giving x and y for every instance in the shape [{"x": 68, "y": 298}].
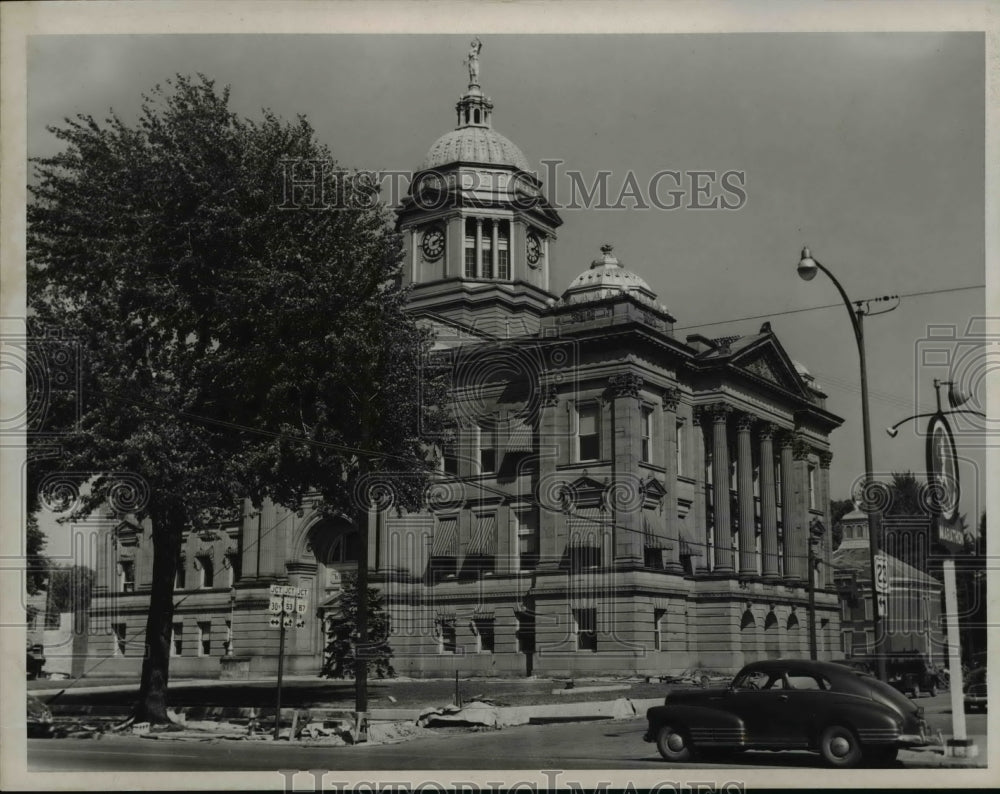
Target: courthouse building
[{"x": 618, "y": 499}]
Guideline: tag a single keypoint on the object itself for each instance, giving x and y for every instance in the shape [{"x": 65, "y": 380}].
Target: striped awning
[
  {"x": 484, "y": 541},
  {"x": 649, "y": 530},
  {"x": 586, "y": 528},
  {"x": 520, "y": 436},
  {"x": 446, "y": 538},
  {"x": 691, "y": 546}
]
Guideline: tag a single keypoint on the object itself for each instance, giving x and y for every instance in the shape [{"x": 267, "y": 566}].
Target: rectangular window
[
  {"x": 586, "y": 629},
  {"x": 227, "y": 644},
  {"x": 207, "y": 571},
  {"x": 449, "y": 461},
  {"x": 487, "y": 257},
  {"x": 447, "y": 636},
  {"x": 647, "y": 433},
  {"x": 180, "y": 579},
  {"x": 204, "y": 638},
  {"x": 232, "y": 563},
  {"x": 527, "y": 539},
  {"x": 812, "y": 487},
  {"x": 177, "y": 639},
  {"x": 503, "y": 255},
  {"x": 470, "y": 257},
  {"x": 588, "y": 442},
  {"x": 485, "y": 634},
  {"x": 127, "y": 576},
  {"x": 659, "y": 620},
  {"x": 487, "y": 450},
  {"x": 119, "y": 630}
]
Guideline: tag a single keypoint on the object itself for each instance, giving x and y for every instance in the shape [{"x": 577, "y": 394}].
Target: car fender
[{"x": 872, "y": 723}]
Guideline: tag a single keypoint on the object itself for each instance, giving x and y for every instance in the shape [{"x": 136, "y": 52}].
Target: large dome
[
  {"x": 474, "y": 145},
  {"x": 606, "y": 278}
]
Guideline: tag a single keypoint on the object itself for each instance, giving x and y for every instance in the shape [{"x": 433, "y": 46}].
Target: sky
[{"x": 867, "y": 147}]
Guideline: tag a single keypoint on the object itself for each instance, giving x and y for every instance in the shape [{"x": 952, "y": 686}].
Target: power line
[{"x": 824, "y": 306}]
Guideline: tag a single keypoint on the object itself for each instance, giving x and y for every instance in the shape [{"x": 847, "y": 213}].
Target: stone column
[
  {"x": 551, "y": 521},
  {"x": 722, "y": 536},
  {"x": 626, "y": 439},
  {"x": 744, "y": 475},
  {"x": 768, "y": 505},
  {"x": 495, "y": 247},
  {"x": 697, "y": 466},
  {"x": 671, "y": 398},
  {"x": 789, "y": 512},
  {"x": 479, "y": 247},
  {"x": 800, "y": 484},
  {"x": 826, "y": 570}
]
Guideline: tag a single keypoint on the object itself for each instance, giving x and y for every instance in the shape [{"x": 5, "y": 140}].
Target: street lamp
[{"x": 807, "y": 270}]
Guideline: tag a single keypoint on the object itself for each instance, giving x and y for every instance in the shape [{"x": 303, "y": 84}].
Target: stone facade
[{"x": 618, "y": 500}]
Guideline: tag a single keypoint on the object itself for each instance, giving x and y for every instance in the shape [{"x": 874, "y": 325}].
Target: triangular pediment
[
  {"x": 584, "y": 492},
  {"x": 653, "y": 489},
  {"x": 768, "y": 361}
]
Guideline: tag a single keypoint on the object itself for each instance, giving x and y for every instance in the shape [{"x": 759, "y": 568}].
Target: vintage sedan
[{"x": 846, "y": 716}]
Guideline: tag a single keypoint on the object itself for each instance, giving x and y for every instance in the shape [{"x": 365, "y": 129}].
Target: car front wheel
[
  {"x": 673, "y": 744},
  {"x": 839, "y": 747}
]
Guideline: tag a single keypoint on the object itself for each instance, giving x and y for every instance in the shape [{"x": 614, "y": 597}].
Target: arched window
[{"x": 477, "y": 116}]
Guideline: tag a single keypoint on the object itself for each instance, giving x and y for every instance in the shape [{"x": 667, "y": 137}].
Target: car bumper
[
  {"x": 912, "y": 740},
  {"x": 975, "y": 700}
]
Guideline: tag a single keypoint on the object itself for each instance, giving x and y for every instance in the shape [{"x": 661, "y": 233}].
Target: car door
[
  {"x": 761, "y": 702},
  {"x": 806, "y": 698}
]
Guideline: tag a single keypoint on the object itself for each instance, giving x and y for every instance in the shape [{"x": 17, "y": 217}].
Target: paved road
[{"x": 587, "y": 745}]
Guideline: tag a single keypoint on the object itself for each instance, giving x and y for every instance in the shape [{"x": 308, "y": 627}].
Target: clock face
[
  {"x": 942, "y": 468},
  {"x": 433, "y": 243},
  {"x": 534, "y": 249}
]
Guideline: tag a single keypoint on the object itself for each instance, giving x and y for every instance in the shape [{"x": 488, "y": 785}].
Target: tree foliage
[
  {"x": 229, "y": 347},
  {"x": 838, "y": 509},
  {"x": 344, "y": 649},
  {"x": 70, "y": 588}
]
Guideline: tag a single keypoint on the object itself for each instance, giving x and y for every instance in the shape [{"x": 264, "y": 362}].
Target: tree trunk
[
  {"x": 168, "y": 528},
  {"x": 363, "y": 651}
]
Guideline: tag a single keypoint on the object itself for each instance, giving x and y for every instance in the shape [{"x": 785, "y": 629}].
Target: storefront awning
[
  {"x": 520, "y": 437},
  {"x": 484, "y": 541}
]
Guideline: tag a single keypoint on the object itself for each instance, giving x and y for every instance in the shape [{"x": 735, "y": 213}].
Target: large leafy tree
[{"x": 236, "y": 338}]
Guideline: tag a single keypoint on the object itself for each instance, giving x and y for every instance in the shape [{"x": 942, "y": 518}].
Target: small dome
[
  {"x": 474, "y": 145},
  {"x": 606, "y": 278}
]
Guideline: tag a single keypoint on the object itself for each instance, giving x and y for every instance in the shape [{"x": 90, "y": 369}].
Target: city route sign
[{"x": 881, "y": 574}]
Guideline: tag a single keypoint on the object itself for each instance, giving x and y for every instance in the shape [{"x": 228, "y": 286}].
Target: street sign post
[{"x": 287, "y": 607}]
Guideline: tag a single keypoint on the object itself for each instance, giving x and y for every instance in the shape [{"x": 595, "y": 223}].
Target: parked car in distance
[
  {"x": 909, "y": 672},
  {"x": 846, "y": 716},
  {"x": 975, "y": 690},
  {"x": 34, "y": 660},
  {"x": 39, "y": 718}
]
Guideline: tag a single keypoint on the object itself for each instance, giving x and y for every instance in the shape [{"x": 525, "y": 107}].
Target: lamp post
[{"x": 807, "y": 269}]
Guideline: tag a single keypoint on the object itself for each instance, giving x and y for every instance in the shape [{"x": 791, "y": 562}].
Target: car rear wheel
[
  {"x": 673, "y": 744},
  {"x": 839, "y": 747},
  {"x": 932, "y": 691}
]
